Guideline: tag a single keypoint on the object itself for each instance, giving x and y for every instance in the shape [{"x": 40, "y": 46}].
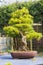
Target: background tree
[
  {"x": 36, "y": 10},
  {"x": 5, "y": 12},
  {"x": 21, "y": 27}
]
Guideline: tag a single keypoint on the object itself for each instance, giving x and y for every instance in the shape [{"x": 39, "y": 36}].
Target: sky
[
  {"x": 17, "y": 0},
  {"x": 10, "y": 1}
]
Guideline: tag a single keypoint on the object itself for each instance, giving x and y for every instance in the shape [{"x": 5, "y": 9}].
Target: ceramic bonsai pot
[{"x": 23, "y": 54}]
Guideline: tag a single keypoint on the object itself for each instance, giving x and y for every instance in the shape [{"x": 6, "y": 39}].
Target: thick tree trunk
[
  {"x": 23, "y": 46},
  {"x": 20, "y": 44}
]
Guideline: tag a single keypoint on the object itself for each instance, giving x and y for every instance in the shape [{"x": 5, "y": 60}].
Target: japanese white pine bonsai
[{"x": 21, "y": 29}]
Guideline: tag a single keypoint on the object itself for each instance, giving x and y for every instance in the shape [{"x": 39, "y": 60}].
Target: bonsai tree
[{"x": 21, "y": 29}]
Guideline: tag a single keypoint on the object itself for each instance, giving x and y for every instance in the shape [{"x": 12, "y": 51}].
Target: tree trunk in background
[
  {"x": 12, "y": 43},
  {"x": 15, "y": 43},
  {"x": 31, "y": 45},
  {"x": 42, "y": 27}
]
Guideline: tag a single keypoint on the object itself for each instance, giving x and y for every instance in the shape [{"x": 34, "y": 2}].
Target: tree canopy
[
  {"x": 6, "y": 10},
  {"x": 21, "y": 21}
]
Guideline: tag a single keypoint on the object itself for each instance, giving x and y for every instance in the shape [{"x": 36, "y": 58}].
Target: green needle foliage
[{"x": 21, "y": 21}]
